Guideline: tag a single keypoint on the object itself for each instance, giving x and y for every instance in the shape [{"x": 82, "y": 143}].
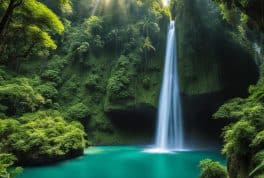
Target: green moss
[
  {"x": 51, "y": 75},
  {"x": 202, "y": 60},
  {"x": 238, "y": 138},
  {"x": 258, "y": 141},
  {"x": 48, "y": 91},
  {"x": 53, "y": 70},
  {"x": 118, "y": 86},
  {"x": 78, "y": 111},
  {"x": 92, "y": 82},
  {"x": 70, "y": 87},
  {"x": 258, "y": 162},
  {"x": 4, "y": 75}
]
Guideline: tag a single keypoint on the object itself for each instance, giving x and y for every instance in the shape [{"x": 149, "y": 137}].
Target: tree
[
  {"x": 147, "y": 47},
  {"x": 93, "y": 25},
  {"x": 244, "y": 137},
  {"x": 8, "y": 13},
  {"x": 252, "y": 8},
  {"x": 6, "y": 161},
  {"x": 18, "y": 96},
  {"x": 63, "y": 8},
  {"x": 41, "y": 137},
  {"x": 210, "y": 169},
  {"x": 26, "y": 25}
]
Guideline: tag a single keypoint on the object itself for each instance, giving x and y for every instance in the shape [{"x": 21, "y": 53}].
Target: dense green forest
[
  {"x": 243, "y": 137},
  {"x": 66, "y": 70},
  {"x": 78, "y": 73}
]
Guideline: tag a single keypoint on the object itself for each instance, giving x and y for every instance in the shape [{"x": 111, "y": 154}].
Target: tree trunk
[{"x": 8, "y": 13}]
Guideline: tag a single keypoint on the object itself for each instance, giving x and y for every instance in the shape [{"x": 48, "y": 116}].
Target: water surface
[{"x": 125, "y": 162}]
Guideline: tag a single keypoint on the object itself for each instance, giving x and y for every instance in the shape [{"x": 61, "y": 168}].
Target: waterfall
[{"x": 170, "y": 125}]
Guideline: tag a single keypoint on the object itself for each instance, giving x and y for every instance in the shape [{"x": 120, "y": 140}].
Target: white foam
[
  {"x": 169, "y": 134},
  {"x": 164, "y": 151}
]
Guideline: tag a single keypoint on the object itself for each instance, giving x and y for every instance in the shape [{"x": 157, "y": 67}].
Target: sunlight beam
[
  {"x": 166, "y": 2},
  {"x": 95, "y": 6}
]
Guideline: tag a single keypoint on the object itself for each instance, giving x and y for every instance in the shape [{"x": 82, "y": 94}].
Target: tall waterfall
[{"x": 170, "y": 125}]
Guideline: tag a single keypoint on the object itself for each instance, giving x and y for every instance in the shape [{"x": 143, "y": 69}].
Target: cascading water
[{"x": 170, "y": 125}]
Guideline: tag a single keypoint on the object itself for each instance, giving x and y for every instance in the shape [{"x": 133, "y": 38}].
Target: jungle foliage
[
  {"x": 55, "y": 80},
  {"x": 243, "y": 138},
  {"x": 211, "y": 169},
  {"x": 6, "y": 161},
  {"x": 41, "y": 137},
  {"x": 68, "y": 65}
]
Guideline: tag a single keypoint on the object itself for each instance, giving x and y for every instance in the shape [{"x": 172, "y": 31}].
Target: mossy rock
[{"x": 41, "y": 138}]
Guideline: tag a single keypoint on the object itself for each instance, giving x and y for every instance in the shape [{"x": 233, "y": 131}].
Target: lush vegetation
[
  {"x": 209, "y": 50},
  {"x": 6, "y": 161},
  {"x": 250, "y": 12},
  {"x": 65, "y": 67},
  {"x": 74, "y": 73},
  {"x": 211, "y": 169},
  {"x": 41, "y": 137},
  {"x": 243, "y": 138}
]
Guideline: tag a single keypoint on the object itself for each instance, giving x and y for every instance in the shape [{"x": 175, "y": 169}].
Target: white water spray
[{"x": 170, "y": 125}]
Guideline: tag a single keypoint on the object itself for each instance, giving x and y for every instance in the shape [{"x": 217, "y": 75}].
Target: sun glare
[
  {"x": 96, "y": 3},
  {"x": 165, "y": 2},
  {"x": 107, "y": 2}
]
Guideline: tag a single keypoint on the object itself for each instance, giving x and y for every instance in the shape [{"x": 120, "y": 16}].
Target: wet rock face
[
  {"x": 211, "y": 59},
  {"x": 199, "y": 126},
  {"x": 138, "y": 117},
  {"x": 213, "y": 68},
  {"x": 199, "y": 108},
  {"x": 33, "y": 160}
]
